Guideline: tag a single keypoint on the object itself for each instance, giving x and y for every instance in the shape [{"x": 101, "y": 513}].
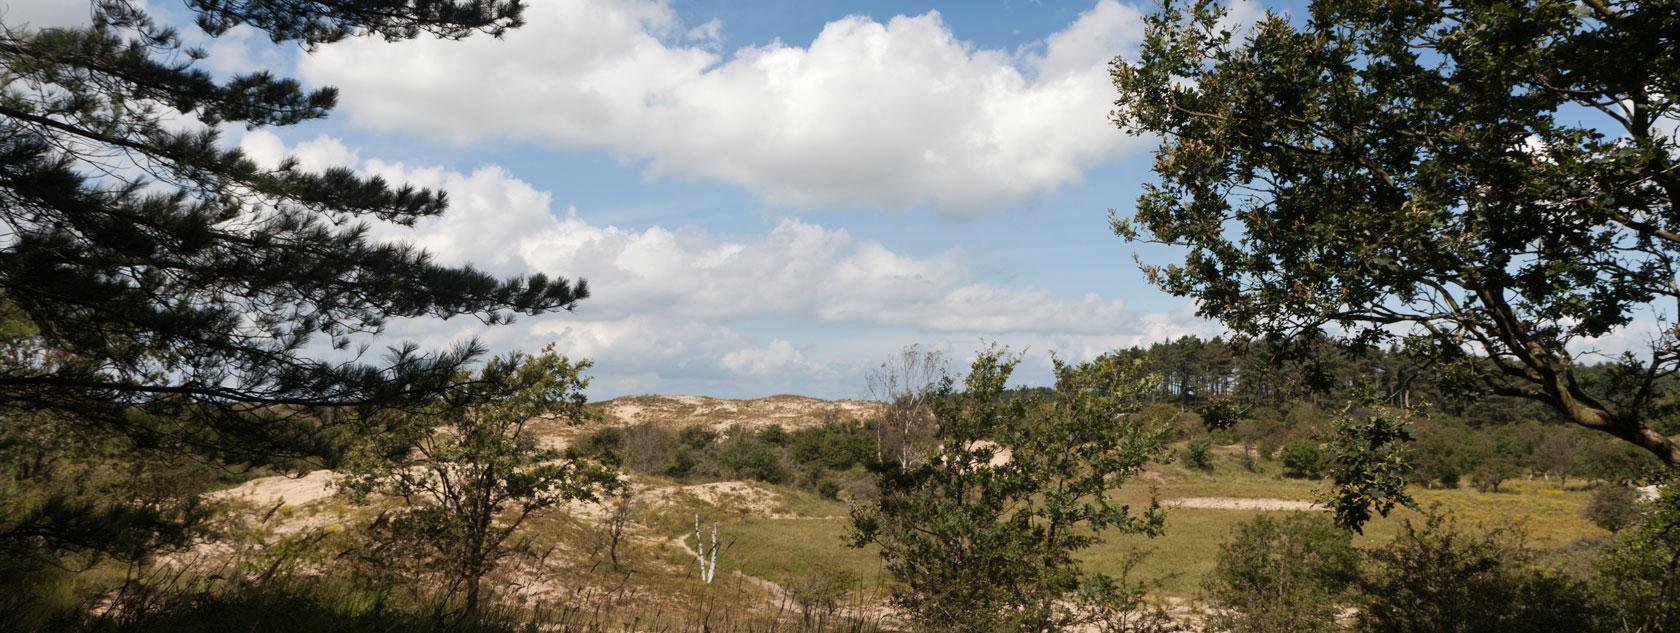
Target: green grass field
[{"x": 785, "y": 550}]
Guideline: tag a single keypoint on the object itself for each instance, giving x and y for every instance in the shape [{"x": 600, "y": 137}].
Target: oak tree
[{"x": 1495, "y": 184}]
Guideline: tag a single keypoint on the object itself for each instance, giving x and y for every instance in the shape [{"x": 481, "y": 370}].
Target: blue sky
[{"x": 767, "y": 197}]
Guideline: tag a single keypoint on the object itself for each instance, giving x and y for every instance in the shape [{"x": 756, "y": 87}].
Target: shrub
[
  {"x": 746, "y": 455},
  {"x": 1438, "y": 454},
  {"x": 828, "y": 489},
  {"x": 697, "y": 437},
  {"x": 978, "y": 545},
  {"x": 1302, "y": 458},
  {"x": 818, "y": 595},
  {"x": 774, "y": 435},
  {"x": 1612, "y": 507},
  {"x": 834, "y": 445},
  {"x": 1281, "y": 576},
  {"x": 1617, "y": 461},
  {"x": 606, "y": 445},
  {"x": 1639, "y": 574},
  {"x": 1199, "y": 455},
  {"x": 683, "y": 464},
  {"x": 1438, "y": 577}
]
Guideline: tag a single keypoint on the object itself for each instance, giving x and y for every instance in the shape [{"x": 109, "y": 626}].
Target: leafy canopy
[
  {"x": 1495, "y": 182},
  {"x": 471, "y": 470},
  {"x": 982, "y": 530}
]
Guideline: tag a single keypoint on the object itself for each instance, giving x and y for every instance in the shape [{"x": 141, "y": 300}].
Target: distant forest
[{"x": 1265, "y": 395}]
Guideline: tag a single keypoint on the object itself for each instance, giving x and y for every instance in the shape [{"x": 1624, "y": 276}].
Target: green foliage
[
  {"x": 697, "y": 436},
  {"x": 1613, "y": 507},
  {"x": 683, "y": 463},
  {"x": 213, "y": 274},
  {"x": 749, "y": 455},
  {"x": 981, "y": 532},
  {"x": 819, "y": 594},
  {"x": 471, "y": 471},
  {"x": 606, "y": 445},
  {"x": 1220, "y": 414},
  {"x": 1413, "y": 172},
  {"x": 1281, "y": 576},
  {"x": 1302, "y": 458},
  {"x": 1198, "y": 454},
  {"x": 1440, "y": 577},
  {"x": 837, "y": 445},
  {"x": 1639, "y": 574},
  {"x": 1616, "y": 462},
  {"x": 828, "y": 489},
  {"x": 162, "y": 297},
  {"x": 1368, "y": 463}
]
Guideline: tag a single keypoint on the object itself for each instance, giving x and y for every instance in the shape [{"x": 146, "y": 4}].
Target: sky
[{"x": 765, "y": 197}]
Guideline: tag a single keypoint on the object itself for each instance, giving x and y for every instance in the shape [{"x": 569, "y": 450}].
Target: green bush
[
  {"x": 1612, "y": 507},
  {"x": 747, "y": 455},
  {"x": 828, "y": 489},
  {"x": 773, "y": 435},
  {"x": 1438, "y": 577},
  {"x": 1281, "y": 576},
  {"x": 1302, "y": 458},
  {"x": 1198, "y": 454},
  {"x": 1639, "y": 574},
  {"x": 833, "y": 446},
  {"x": 697, "y": 436},
  {"x": 606, "y": 445},
  {"x": 682, "y": 465},
  {"x": 973, "y": 545}
]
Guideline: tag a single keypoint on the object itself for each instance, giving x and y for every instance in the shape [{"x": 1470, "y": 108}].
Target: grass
[
  {"x": 786, "y": 550},
  {"x": 803, "y": 537}
]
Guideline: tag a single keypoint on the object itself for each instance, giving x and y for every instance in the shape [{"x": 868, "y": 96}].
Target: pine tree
[{"x": 166, "y": 290}]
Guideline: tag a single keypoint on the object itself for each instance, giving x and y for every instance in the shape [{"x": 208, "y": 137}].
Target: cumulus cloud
[
  {"x": 43, "y": 14},
  {"x": 669, "y": 302},
  {"x": 885, "y": 114},
  {"x": 778, "y": 356}
]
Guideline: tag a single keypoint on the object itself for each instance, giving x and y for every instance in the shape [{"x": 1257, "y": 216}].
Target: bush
[
  {"x": 1199, "y": 455},
  {"x": 1302, "y": 458},
  {"x": 828, "y": 489},
  {"x": 682, "y": 465},
  {"x": 834, "y": 446},
  {"x": 1639, "y": 574},
  {"x": 1437, "y": 577},
  {"x": 818, "y": 595},
  {"x": 1612, "y": 507},
  {"x": 974, "y": 545},
  {"x": 606, "y": 445},
  {"x": 747, "y": 455},
  {"x": 1438, "y": 454},
  {"x": 1489, "y": 475},
  {"x": 1281, "y": 576},
  {"x": 697, "y": 437}
]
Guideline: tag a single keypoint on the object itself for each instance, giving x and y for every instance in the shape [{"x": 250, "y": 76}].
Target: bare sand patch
[
  {"x": 281, "y": 489},
  {"x": 1239, "y": 503}
]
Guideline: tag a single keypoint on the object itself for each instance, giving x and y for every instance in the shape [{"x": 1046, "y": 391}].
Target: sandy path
[
  {"x": 267, "y": 491},
  {"x": 1239, "y": 503}
]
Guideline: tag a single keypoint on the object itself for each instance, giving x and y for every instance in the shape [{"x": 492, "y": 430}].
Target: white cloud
[
  {"x": 779, "y": 356},
  {"x": 891, "y": 114},
  {"x": 669, "y": 303},
  {"x": 42, "y": 14},
  {"x": 795, "y": 270}
]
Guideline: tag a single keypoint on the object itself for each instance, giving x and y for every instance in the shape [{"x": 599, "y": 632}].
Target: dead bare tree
[
  {"x": 903, "y": 382},
  {"x": 613, "y": 525}
]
